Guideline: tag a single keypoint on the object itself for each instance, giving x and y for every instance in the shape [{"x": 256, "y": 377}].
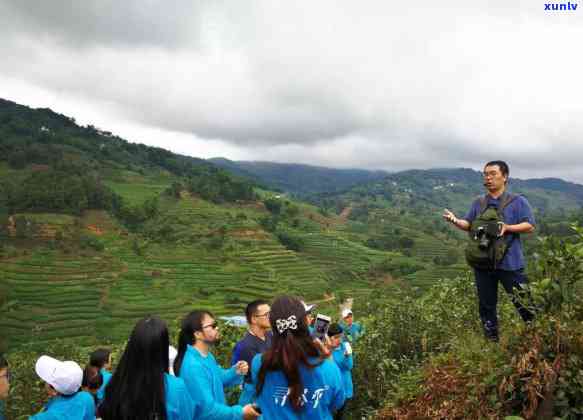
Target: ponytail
[
  {"x": 291, "y": 348},
  {"x": 191, "y": 323}
]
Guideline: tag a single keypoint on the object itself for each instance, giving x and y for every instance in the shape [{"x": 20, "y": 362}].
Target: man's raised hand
[{"x": 449, "y": 216}]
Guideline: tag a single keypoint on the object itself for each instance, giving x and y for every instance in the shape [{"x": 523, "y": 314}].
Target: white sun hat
[
  {"x": 346, "y": 312},
  {"x": 65, "y": 377}
]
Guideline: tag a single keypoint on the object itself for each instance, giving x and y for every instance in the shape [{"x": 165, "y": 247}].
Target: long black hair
[
  {"x": 290, "y": 347},
  {"x": 136, "y": 389},
  {"x": 191, "y": 323}
]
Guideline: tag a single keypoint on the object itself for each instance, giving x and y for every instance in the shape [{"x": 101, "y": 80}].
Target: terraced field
[
  {"x": 425, "y": 278},
  {"x": 332, "y": 247},
  {"x": 138, "y": 192},
  {"x": 428, "y": 247},
  {"x": 53, "y": 296},
  {"x": 97, "y": 296}
]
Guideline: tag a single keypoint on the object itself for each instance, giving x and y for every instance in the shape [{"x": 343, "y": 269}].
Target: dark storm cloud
[{"x": 92, "y": 23}]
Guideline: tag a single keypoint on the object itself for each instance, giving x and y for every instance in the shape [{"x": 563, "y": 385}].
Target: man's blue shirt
[
  {"x": 205, "y": 380},
  {"x": 517, "y": 211},
  {"x": 246, "y": 349}
]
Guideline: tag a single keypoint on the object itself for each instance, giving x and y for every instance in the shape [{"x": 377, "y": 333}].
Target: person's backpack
[{"x": 486, "y": 248}]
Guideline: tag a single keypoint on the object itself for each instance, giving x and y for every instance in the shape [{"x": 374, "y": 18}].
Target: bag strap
[
  {"x": 483, "y": 200},
  {"x": 506, "y": 199}
]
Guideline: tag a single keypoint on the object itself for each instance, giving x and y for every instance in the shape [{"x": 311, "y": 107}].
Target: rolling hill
[{"x": 98, "y": 232}]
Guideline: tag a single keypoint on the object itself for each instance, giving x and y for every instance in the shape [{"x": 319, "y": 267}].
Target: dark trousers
[{"x": 515, "y": 284}]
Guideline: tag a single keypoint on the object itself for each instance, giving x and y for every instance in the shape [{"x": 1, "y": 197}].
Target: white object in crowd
[{"x": 64, "y": 377}]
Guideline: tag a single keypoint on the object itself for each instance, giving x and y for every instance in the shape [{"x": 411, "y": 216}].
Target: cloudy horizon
[{"x": 371, "y": 85}]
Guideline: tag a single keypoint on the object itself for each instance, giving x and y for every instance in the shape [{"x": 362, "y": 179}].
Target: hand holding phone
[
  {"x": 321, "y": 326},
  {"x": 242, "y": 367}
]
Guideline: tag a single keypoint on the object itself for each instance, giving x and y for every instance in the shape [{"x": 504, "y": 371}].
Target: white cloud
[{"x": 371, "y": 84}]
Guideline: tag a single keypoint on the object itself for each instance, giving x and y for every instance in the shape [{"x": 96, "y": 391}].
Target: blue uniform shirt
[
  {"x": 79, "y": 406},
  {"x": 345, "y": 363},
  {"x": 517, "y": 211},
  {"x": 179, "y": 404},
  {"x": 205, "y": 380},
  {"x": 323, "y": 392},
  {"x": 2, "y": 410},
  {"x": 101, "y": 391},
  {"x": 352, "y": 333}
]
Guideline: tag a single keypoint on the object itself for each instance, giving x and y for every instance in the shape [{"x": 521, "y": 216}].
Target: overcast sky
[{"x": 370, "y": 84}]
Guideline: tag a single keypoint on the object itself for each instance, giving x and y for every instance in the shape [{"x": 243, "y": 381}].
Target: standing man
[
  {"x": 352, "y": 330},
  {"x": 204, "y": 378},
  {"x": 256, "y": 341},
  {"x": 508, "y": 264}
]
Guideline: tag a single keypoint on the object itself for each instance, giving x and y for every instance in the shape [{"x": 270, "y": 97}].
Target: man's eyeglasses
[
  {"x": 489, "y": 174},
  {"x": 214, "y": 326},
  {"x": 8, "y": 376},
  {"x": 262, "y": 315}
]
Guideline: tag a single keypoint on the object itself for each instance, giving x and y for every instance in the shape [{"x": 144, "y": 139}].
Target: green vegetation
[
  {"x": 96, "y": 232},
  {"x": 431, "y": 361}
]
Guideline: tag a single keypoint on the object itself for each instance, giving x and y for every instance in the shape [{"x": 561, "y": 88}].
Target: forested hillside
[
  {"x": 300, "y": 180},
  {"x": 97, "y": 232},
  {"x": 431, "y": 190}
]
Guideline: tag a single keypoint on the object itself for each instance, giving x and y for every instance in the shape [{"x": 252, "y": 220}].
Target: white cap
[
  {"x": 65, "y": 377},
  {"x": 308, "y": 308},
  {"x": 346, "y": 312}
]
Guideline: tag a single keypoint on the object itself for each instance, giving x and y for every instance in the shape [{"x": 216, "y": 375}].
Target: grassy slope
[{"x": 97, "y": 296}]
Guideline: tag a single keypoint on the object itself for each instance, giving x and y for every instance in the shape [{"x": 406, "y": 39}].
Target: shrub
[
  {"x": 91, "y": 242},
  {"x": 292, "y": 242}
]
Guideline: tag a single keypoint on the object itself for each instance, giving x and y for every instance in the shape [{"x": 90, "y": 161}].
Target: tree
[
  {"x": 406, "y": 243},
  {"x": 273, "y": 205}
]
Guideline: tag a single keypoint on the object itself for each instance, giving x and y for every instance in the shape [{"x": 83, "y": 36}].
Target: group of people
[{"x": 283, "y": 370}]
